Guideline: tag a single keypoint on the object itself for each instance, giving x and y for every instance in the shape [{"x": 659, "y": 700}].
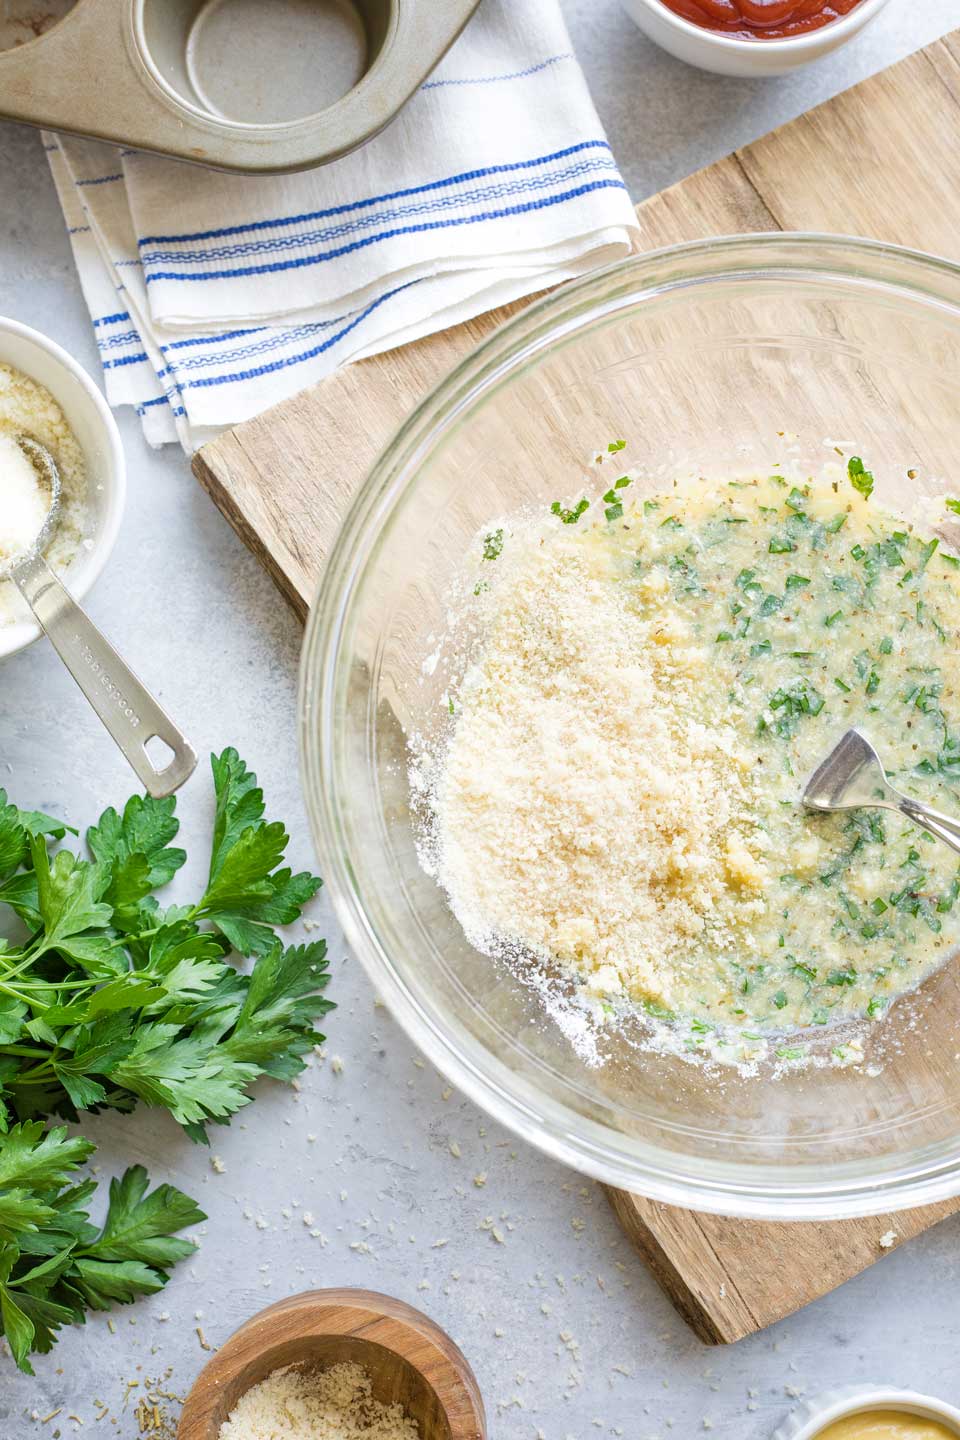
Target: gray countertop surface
[{"x": 567, "y": 1332}]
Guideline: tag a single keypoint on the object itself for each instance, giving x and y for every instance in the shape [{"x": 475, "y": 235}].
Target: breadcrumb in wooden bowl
[{"x": 345, "y": 1363}]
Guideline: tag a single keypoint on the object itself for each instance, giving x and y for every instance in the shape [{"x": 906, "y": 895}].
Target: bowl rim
[
  {"x": 17, "y": 637},
  {"x": 369, "y": 1317},
  {"x": 513, "y": 1101},
  {"x": 838, "y": 31},
  {"x": 811, "y": 1418}
]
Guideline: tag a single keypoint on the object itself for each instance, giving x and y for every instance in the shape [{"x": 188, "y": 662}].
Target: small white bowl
[
  {"x": 812, "y": 1417},
  {"x": 726, "y": 55},
  {"x": 88, "y": 415}
]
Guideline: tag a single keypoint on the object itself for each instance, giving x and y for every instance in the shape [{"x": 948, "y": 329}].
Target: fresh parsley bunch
[
  {"x": 55, "y": 1265},
  {"x": 112, "y": 999}
]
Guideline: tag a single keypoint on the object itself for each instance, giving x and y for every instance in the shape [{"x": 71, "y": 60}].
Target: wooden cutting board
[
  {"x": 881, "y": 160},
  {"x": 730, "y": 1278}
]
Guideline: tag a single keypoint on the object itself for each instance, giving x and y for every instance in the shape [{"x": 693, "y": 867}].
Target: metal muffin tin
[{"x": 258, "y": 86}]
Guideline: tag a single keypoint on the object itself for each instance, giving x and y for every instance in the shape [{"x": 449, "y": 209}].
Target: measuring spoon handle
[
  {"x": 944, "y": 827},
  {"x": 127, "y": 709}
]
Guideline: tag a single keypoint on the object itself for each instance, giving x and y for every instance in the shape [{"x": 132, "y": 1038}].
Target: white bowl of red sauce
[{"x": 751, "y": 37}]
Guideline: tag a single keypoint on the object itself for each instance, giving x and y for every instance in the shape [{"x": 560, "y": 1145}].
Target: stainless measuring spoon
[
  {"x": 852, "y": 776},
  {"x": 127, "y": 709}
]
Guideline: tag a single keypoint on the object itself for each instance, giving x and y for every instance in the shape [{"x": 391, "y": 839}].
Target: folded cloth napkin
[{"x": 214, "y": 296}]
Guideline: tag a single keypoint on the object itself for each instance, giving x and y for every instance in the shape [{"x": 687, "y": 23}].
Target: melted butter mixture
[
  {"x": 618, "y": 792},
  {"x": 819, "y": 612},
  {"x": 886, "y": 1425}
]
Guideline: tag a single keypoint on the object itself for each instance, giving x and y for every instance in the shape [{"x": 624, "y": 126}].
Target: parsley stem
[
  {"x": 40, "y": 1070},
  {"x": 16, "y": 994}
]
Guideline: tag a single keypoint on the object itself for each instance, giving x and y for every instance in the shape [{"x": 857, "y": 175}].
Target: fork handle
[
  {"x": 127, "y": 709},
  {"x": 943, "y": 827}
]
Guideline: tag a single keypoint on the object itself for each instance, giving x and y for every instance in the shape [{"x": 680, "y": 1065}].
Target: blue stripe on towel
[
  {"x": 288, "y": 360},
  {"x": 99, "y": 180},
  {"x": 145, "y": 405},
  {"x": 277, "y": 244},
  {"x": 112, "y": 342},
  {"x": 494, "y": 79},
  {"x": 212, "y": 339},
  {"x": 274, "y": 340},
  {"x": 425, "y": 225},
  {"x": 125, "y": 360},
  {"x": 373, "y": 199},
  {"x": 112, "y": 319}
]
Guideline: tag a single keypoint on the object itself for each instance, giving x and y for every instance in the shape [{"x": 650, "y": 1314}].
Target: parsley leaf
[
  {"x": 53, "y": 1263},
  {"x": 569, "y": 517},
  {"x": 69, "y": 905},
  {"x": 37, "y": 1160},
  {"x": 247, "y": 894},
  {"x": 861, "y": 479},
  {"x": 134, "y": 850},
  {"x": 115, "y": 1000},
  {"x": 493, "y": 545},
  {"x": 141, "y": 1226}
]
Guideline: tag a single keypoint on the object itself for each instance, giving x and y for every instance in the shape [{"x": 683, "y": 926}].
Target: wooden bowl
[{"x": 410, "y": 1360}]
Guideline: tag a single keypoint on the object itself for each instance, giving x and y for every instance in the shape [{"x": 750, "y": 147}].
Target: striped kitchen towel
[{"x": 214, "y": 296}]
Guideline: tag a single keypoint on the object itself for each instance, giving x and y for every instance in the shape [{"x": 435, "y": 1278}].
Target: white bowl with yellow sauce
[
  {"x": 96, "y": 520},
  {"x": 868, "y": 1413}
]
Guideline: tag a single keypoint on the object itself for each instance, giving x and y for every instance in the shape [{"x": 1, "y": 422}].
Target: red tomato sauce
[{"x": 761, "y": 19}]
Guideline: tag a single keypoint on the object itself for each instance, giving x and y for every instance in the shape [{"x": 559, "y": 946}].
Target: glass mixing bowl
[{"x": 702, "y": 356}]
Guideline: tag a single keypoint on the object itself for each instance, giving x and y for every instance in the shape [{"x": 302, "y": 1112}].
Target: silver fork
[{"x": 852, "y": 776}]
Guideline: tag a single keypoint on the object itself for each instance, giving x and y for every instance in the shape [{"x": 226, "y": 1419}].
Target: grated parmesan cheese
[
  {"x": 28, "y": 408},
  {"x": 26, "y": 501},
  {"x": 612, "y": 795},
  {"x": 333, "y": 1404},
  {"x": 579, "y": 810}
]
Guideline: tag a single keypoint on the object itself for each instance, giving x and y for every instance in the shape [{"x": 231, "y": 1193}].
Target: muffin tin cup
[{"x": 229, "y": 83}]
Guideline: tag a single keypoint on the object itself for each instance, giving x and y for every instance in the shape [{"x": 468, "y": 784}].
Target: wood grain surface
[
  {"x": 410, "y": 1360},
  {"x": 729, "y": 1278},
  {"x": 881, "y": 160}
]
